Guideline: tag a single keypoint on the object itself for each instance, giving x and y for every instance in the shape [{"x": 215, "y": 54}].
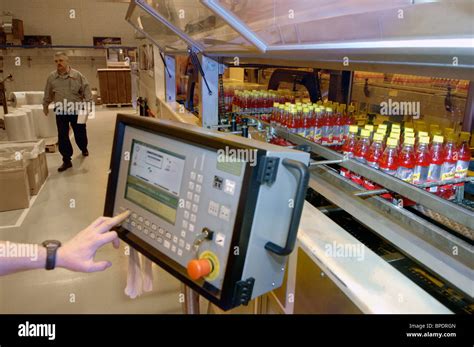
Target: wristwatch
[{"x": 51, "y": 249}]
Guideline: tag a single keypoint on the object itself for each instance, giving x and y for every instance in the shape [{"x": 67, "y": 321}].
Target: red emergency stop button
[{"x": 198, "y": 268}]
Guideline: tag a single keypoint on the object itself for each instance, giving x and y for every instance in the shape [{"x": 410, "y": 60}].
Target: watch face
[{"x": 51, "y": 243}]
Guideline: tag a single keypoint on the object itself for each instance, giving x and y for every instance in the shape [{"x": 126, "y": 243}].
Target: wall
[{"x": 51, "y": 17}]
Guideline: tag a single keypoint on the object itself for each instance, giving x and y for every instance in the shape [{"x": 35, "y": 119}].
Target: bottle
[
  {"x": 362, "y": 146},
  {"x": 305, "y": 129},
  {"x": 422, "y": 160},
  {"x": 406, "y": 161},
  {"x": 318, "y": 128},
  {"x": 312, "y": 123},
  {"x": 448, "y": 168},
  {"x": 275, "y": 111},
  {"x": 388, "y": 162},
  {"x": 436, "y": 154},
  {"x": 375, "y": 151},
  {"x": 349, "y": 145},
  {"x": 350, "y": 120},
  {"x": 338, "y": 128},
  {"x": 464, "y": 156},
  {"x": 327, "y": 127}
]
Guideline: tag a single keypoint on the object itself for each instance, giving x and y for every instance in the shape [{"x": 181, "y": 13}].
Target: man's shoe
[
  {"x": 85, "y": 153},
  {"x": 64, "y": 167}
]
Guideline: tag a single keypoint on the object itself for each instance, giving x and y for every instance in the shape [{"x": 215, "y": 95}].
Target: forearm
[{"x": 16, "y": 257}]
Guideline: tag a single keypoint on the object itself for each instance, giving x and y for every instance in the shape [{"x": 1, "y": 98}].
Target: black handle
[{"x": 297, "y": 209}]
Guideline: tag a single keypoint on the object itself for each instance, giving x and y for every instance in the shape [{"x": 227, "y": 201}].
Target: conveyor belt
[{"x": 424, "y": 278}]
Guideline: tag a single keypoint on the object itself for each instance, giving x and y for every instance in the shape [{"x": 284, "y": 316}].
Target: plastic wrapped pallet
[
  {"x": 19, "y": 126},
  {"x": 29, "y": 113},
  {"x": 18, "y": 99},
  {"x": 34, "y": 98},
  {"x": 46, "y": 125}
]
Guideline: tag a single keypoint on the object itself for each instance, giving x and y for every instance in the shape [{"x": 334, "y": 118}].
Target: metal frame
[
  {"x": 432, "y": 250},
  {"x": 209, "y": 106},
  {"x": 420, "y": 196},
  {"x": 170, "y": 80}
]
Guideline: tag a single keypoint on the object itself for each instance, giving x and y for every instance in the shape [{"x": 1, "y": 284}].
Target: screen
[{"x": 154, "y": 179}]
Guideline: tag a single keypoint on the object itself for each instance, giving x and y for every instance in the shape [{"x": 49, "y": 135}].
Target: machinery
[
  {"x": 425, "y": 246},
  {"x": 200, "y": 205}
]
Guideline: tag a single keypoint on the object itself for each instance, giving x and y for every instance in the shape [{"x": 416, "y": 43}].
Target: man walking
[{"x": 67, "y": 88}]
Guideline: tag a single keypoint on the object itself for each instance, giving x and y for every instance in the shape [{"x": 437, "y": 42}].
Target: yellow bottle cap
[
  {"x": 306, "y": 109},
  {"x": 394, "y": 135},
  {"x": 425, "y": 140},
  {"x": 276, "y": 104},
  {"x": 365, "y": 133},
  {"x": 409, "y": 135},
  {"x": 438, "y": 139},
  {"x": 378, "y": 137},
  {"x": 391, "y": 142},
  {"x": 382, "y": 126},
  {"x": 353, "y": 129},
  {"x": 328, "y": 109},
  {"x": 409, "y": 130},
  {"x": 409, "y": 141},
  {"x": 422, "y": 134},
  {"x": 395, "y": 125},
  {"x": 465, "y": 136},
  {"x": 369, "y": 127}
]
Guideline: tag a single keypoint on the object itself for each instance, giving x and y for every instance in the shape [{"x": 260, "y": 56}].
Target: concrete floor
[{"x": 51, "y": 217}]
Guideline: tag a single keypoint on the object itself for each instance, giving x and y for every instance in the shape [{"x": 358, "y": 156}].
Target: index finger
[{"x": 109, "y": 224}]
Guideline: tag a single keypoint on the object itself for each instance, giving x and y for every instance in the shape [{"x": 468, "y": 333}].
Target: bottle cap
[
  {"x": 409, "y": 141},
  {"x": 378, "y": 137},
  {"x": 438, "y": 139},
  {"x": 409, "y": 130},
  {"x": 369, "y": 127},
  {"x": 465, "y": 136},
  {"x": 422, "y": 134},
  {"x": 353, "y": 129},
  {"x": 365, "y": 133},
  {"x": 391, "y": 142},
  {"x": 425, "y": 140}
]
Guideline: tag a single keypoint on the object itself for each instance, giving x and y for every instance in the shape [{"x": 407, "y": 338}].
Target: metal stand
[{"x": 191, "y": 300}]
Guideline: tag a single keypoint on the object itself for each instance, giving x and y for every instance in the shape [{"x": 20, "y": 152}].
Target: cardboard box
[
  {"x": 33, "y": 152},
  {"x": 14, "y": 184}
]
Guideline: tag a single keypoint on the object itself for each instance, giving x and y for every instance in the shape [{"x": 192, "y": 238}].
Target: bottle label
[
  {"x": 373, "y": 164},
  {"x": 434, "y": 173},
  {"x": 420, "y": 174},
  {"x": 447, "y": 171},
  {"x": 405, "y": 174},
  {"x": 389, "y": 171},
  {"x": 461, "y": 169}
]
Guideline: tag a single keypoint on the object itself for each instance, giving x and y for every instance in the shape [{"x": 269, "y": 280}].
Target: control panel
[{"x": 205, "y": 205}]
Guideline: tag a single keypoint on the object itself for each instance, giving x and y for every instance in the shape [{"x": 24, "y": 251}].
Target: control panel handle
[{"x": 297, "y": 209}]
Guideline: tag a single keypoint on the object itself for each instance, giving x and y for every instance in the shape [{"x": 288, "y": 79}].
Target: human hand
[
  {"x": 78, "y": 253},
  {"x": 45, "y": 110}
]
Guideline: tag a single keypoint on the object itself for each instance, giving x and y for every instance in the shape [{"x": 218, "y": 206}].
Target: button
[
  {"x": 198, "y": 268},
  {"x": 161, "y": 231},
  {"x": 185, "y": 224},
  {"x": 196, "y": 198},
  {"x": 193, "y": 175},
  {"x": 181, "y": 243},
  {"x": 213, "y": 208},
  {"x": 160, "y": 240},
  {"x": 173, "y": 248},
  {"x": 147, "y": 223},
  {"x": 153, "y": 226},
  {"x": 195, "y": 208},
  {"x": 229, "y": 187},
  {"x": 220, "y": 239},
  {"x": 134, "y": 224},
  {"x": 188, "y": 205},
  {"x": 198, "y": 188},
  {"x": 186, "y": 214},
  {"x": 190, "y": 196},
  {"x": 180, "y": 252},
  {"x": 224, "y": 213},
  {"x": 200, "y": 178},
  {"x": 146, "y": 231},
  {"x": 152, "y": 235},
  {"x": 140, "y": 219},
  {"x": 183, "y": 233},
  {"x": 167, "y": 244},
  {"x": 175, "y": 239},
  {"x": 191, "y": 185},
  {"x": 134, "y": 215},
  {"x": 188, "y": 246},
  {"x": 168, "y": 235},
  {"x": 139, "y": 227},
  {"x": 191, "y": 228},
  {"x": 193, "y": 218}
]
